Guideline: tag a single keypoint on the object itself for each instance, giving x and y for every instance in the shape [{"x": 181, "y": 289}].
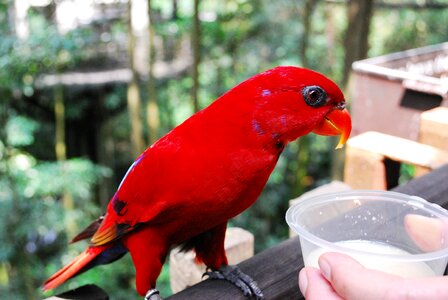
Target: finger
[
  {"x": 430, "y": 234},
  {"x": 351, "y": 280},
  {"x": 428, "y": 288},
  {"x": 314, "y": 286}
]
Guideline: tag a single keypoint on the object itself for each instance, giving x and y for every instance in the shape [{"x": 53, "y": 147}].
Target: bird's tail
[{"x": 76, "y": 266}]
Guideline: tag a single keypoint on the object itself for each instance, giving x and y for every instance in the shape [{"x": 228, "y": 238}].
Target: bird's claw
[
  {"x": 152, "y": 294},
  {"x": 241, "y": 280}
]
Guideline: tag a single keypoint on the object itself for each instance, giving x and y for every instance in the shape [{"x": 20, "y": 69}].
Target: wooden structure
[
  {"x": 434, "y": 128},
  {"x": 373, "y": 159},
  {"x": 400, "y": 115},
  {"x": 276, "y": 270},
  {"x": 367, "y": 155},
  {"x": 398, "y": 87}
]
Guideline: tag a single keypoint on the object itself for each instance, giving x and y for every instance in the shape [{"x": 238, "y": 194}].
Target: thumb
[{"x": 351, "y": 280}]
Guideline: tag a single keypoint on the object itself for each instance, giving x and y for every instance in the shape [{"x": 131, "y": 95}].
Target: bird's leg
[
  {"x": 152, "y": 294},
  {"x": 241, "y": 280}
]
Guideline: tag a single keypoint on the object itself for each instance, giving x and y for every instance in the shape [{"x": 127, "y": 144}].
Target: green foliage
[
  {"x": 33, "y": 218},
  {"x": 20, "y": 131},
  {"x": 407, "y": 172},
  {"x": 407, "y": 29}
]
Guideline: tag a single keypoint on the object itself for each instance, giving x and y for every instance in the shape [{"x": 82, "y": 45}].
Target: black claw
[{"x": 241, "y": 280}]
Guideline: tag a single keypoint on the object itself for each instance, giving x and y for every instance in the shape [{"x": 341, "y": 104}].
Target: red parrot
[{"x": 184, "y": 188}]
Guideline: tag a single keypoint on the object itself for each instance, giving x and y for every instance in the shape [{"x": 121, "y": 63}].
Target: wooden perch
[
  {"x": 276, "y": 271},
  {"x": 185, "y": 271},
  {"x": 85, "y": 292}
]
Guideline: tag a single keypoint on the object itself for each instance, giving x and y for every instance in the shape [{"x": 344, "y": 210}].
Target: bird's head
[{"x": 288, "y": 102}]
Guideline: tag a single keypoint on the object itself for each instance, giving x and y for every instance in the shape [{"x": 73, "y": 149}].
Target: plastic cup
[{"x": 387, "y": 231}]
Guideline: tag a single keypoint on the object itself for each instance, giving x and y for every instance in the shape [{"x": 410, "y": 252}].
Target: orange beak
[{"x": 336, "y": 122}]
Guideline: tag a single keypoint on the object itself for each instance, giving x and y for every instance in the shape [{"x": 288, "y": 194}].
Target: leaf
[{"x": 20, "y": 131}]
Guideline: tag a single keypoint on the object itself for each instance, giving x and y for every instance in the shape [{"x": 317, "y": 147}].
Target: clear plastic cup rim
[{"x": 415, "y": 201}]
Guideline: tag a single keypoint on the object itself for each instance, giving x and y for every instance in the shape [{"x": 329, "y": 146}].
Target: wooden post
[
  {"x": 433, "y": 131},
  {"x": 434, "y": 128},
  {"x": 364, "y": 169},
  {"x": 365, "y": 166},
  {"x": 185, "y": 272}
]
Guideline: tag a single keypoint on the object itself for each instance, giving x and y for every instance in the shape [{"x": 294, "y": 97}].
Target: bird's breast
[{"x": 211, "y": 192}]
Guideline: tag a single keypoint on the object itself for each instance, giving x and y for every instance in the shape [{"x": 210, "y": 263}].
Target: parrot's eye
[{"x": 314, "y": 96}]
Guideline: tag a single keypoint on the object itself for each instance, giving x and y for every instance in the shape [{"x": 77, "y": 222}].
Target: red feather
[{"x": 73, "y": 268}]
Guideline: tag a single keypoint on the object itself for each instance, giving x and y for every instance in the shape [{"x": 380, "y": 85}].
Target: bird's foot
[
  {"x": 241, "y": 280},
  {"x": 152, "y": 294}
]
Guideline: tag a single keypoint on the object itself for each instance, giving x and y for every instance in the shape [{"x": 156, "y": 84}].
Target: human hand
[{"x": 341, "y": 277}]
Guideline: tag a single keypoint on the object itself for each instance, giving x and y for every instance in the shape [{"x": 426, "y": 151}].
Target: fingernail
[
  {"x": 303, "y": 281},
  {"x": 325, "y": 268}
]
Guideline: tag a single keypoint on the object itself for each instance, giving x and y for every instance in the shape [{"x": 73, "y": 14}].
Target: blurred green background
[{"x": 70, "y": 86}]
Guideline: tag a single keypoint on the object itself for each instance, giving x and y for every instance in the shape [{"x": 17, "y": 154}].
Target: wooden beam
[
  {"x": 399, "y": 149},
  {"x": 162, "y": 71},
  {"x": 185, "y": 271},
  {"x": 367, "y": 155},
  {"x": 276, "y": 269}
]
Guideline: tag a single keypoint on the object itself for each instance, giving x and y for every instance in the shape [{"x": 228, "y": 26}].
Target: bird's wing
[{"x": 134, "y": 203}]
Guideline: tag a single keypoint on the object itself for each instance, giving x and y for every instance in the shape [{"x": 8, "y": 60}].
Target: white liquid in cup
[{"x": 404, "y": 269}]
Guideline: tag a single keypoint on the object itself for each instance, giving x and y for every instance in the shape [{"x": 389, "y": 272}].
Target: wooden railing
[{"x": 276, "y": 269}]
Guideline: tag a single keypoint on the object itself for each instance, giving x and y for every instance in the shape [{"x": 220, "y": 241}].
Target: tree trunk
[
  {"x": 152, "y": 109},
  {"x": 303, "y": 144},
  {"x": 61, "y": 154},
  {"x": 330, "y": 33},
  {"x": 133, "y": 94},
  {"x": 356, "y": 42},
  {"x": 303, "y": 159},
  {"x": 196, "y": 44},
  {"x": 104, "y": 149},
  {"x": 306, "y": 15},
  {"x": 59, "y": 116},
  {"x": 21, "y": 24},
  {"x": 174, "y": 15}
]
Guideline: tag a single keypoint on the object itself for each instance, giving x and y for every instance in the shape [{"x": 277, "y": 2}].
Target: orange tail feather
[{"x": 73, "y": 268}]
